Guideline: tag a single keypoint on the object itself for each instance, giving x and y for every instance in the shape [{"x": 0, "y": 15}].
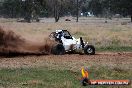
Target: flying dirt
[{"x": 13, "y": 44}]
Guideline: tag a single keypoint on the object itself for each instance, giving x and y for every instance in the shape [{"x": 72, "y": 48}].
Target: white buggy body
[{"x": 70, "y": 43}]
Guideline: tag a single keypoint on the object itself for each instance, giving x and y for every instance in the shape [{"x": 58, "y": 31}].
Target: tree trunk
[
  {"x": 56, "y": 15},
  {"x": 77, "y": 11},
  {"x": 56, "y": 12},
  {"x": 131, "y": 18}
]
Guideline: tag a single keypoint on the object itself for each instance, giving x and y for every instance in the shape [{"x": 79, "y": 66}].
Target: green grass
[
  {"x": 37, "y": 77},
  {"x": 52, "y": 78}
]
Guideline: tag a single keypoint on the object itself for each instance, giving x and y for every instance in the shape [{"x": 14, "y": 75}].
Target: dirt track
[{"x": 73, "y": 61}]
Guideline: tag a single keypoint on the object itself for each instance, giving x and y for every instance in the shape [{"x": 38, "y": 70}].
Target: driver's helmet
[{"x": 59, "y": 33}]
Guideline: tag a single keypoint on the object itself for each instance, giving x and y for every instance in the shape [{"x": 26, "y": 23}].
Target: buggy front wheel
[{"x": 89, "y": 50}]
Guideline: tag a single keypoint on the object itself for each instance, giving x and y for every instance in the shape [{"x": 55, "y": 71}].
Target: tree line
[{"x": 29, "y": 9}]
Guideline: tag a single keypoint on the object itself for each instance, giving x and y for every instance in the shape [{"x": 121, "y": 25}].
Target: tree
[
  {"x": 53, "y": 8},
  {"x": 77, "y": 10},
  {"x": 122, "y": 7},
  {"x": 56, "y": 10},
  {"x": 126, "y": 6},
  {"x": 31, "y": 10},
  {"x": 96, "y": 7},
  {"x": 11, "y": 8}
]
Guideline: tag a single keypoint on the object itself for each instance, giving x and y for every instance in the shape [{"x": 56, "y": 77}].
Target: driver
[{"x": 59, "y": 35}]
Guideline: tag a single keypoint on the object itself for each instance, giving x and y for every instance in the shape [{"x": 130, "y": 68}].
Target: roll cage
[
  {"x": 66, "y": 34},
  {"x": 62, "y": 33}
]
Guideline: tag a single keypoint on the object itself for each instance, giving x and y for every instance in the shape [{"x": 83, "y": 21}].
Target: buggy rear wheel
[{"x": 58, "y": 49}]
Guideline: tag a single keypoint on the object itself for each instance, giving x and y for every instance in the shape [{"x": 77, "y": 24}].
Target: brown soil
[{"x": 73, "y": 61}]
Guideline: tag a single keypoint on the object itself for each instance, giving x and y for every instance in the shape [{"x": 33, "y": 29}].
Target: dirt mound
[{"x": 11, "y": 44}]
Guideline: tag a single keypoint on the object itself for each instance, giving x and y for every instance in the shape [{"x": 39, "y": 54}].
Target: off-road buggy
[{"x": 67, "y": 43}]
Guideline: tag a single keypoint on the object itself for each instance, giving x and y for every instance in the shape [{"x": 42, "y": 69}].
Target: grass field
[
  {"x": 51, "y": 78},
  {"x": 63, "y": 72},
  {"x": 113, "y": 42}
]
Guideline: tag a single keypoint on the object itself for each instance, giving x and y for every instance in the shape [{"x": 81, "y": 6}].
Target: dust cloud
[{"x": 13, "y": 44}]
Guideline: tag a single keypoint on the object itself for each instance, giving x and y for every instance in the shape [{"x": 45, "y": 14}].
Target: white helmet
[{"x": 57, "y": 31}]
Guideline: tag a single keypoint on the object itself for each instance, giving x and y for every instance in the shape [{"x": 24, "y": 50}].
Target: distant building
[
  {"x": 82, "y": 14},
  {"x": 87, "y": 14}
]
